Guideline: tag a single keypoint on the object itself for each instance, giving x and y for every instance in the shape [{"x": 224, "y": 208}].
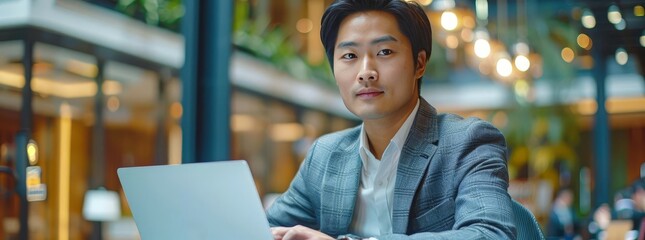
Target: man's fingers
[{"x": 279, "y": 232}]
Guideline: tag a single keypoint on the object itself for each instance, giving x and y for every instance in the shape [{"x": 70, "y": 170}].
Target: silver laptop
[{"x": 215, "y": 200}]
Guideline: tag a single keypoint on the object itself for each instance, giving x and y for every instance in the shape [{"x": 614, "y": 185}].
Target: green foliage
[
  {"x": 163, "y": 13},
  {"x": 273, "y": 45}
]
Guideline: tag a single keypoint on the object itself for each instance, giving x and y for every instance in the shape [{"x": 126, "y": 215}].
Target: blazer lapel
[
  {"x": 415, "y": 157},
  {"x": 339, "y": 190}
]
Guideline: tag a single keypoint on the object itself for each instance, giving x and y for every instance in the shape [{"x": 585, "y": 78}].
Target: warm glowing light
[
  {"x": 567, "y": 54},
  {"x": 613, "y": 14},
  {"x": 621, "y": 56},
  {"x": 587, "y": 107},
  {"x": 287, "y": 132},
  {"x": 613, "y": 105},
  {"x": 467, "y": 35},
  {"x": 449, "y": 20},
  {"x": 584, "y": 41},
  {"x": 58, "y": 88},
  {"x": 639, "y": 11},
  {"x": 243, "y": 123},
  {"x": 504, "y": 67},
  {"x": 482, "y": 48},
  {"x": 469, "y": 22},
  {"x": 81, "y": 68},
  {"x": 588, "y": 20},
  {"x": 522, "y": 63},
  {"x": 64, "y": 162},
  {"x": 174, "y": 144},
  {"x": 304, "y": 25},
  {"x": 452, "y": 42},
  {"x": 111, "y": 87},
  {"x": 113, "y": 104},
  {"x": 484, "y": 68},
  {"x": 32, "y": 152},
  {"x": 625, "y": 105},
  {"x": 424, "y": 2},
  {"x": 176, "y": 110}
]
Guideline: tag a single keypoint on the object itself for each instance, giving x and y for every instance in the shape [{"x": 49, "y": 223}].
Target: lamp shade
[{"x": 101, "y": 205}]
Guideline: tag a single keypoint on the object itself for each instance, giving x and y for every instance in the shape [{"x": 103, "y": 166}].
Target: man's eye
[
  {"x": 385, "y": 52},
  {"x": 348, "y": 56}
]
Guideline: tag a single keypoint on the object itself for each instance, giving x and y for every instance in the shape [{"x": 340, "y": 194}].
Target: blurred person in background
[
  {"x": 406, "y": 172},
  {"x": 561, "y": 219},
  {"x": 638, "y": 215},
  {"x": 623, "y": 204},
  {"x": 629, "y": 204}
]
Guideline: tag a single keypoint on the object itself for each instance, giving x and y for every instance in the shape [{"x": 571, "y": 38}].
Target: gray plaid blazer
[{"x": 451, "y": 182}]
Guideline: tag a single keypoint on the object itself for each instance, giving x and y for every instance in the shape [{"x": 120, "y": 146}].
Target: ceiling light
[
  {"x": 452, "y": 42},
  {"x": 482, "y": 48},
  {"x": 567, "y": 54},
  {"x": 522, "y": 63},
  {"x": 504, "y": 67},
  {"x": 467, "y": 35},
  {"x": 639, "y": 11},
  {"x": 621, "y": 56},
  {"x": 584, "y": 41},
  {"x": 588, "y": 20},
  {"x": 449, "y": 20},
  {"x": 613, "y": 14}
]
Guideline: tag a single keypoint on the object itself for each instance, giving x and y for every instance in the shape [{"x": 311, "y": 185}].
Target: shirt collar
[{"x": 399, "y": 138}]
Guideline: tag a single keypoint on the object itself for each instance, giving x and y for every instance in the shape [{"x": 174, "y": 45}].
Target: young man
[{"x": 406, "y": 172}]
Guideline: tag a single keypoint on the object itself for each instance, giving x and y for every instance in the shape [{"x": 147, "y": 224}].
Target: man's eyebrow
[
  {"x": 347, "y": 44},
  {"x": 386, "y": 38}
]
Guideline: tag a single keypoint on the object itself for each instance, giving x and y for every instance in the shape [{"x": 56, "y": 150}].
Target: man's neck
[{"x": 381, "y": 131}]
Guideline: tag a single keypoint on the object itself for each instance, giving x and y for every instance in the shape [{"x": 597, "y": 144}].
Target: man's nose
[{"x": 368, "y": 71}]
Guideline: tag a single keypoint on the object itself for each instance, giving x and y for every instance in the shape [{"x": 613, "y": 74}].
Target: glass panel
[
  {"x": 136, "y": 121},
  {"x": 10, "y": 100}
]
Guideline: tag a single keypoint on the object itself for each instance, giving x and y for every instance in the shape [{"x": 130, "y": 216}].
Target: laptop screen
[{"x": 214, "y": 200}]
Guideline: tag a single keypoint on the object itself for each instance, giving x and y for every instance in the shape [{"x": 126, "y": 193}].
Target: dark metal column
[
  {"x": 26, "y": 124},
  {"x": 602, "y": 143},
  {"x": 161, "y": 140},
  {"x": 207, "y": 29},
  {"x": 97, "y": 179},
  {"x": 98, "y": 132}
]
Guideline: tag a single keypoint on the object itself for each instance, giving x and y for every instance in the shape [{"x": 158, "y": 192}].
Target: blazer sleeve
[
  {"x": 483, "y": 207},
  {"x": 294, "y": 207}
]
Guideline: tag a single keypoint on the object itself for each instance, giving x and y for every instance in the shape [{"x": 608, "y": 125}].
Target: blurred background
[{"x": 87, "y": 87}]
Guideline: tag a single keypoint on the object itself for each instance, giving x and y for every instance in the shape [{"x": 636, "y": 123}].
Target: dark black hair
[{"x": 412, "y": 20}]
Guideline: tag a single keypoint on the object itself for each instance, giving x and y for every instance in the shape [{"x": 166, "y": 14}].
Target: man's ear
[{"x": 421, "y": 64}]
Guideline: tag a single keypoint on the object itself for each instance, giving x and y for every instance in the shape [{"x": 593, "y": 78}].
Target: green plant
[{"x": 162, "y": 13}]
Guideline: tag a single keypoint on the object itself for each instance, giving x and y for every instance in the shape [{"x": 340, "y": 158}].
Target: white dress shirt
[{"x": 373, "y": 209}]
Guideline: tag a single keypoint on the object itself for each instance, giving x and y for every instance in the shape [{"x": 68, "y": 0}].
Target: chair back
[{"x": 525, "y": 223}]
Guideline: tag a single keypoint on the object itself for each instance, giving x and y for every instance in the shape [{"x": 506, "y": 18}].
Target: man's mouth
[{"x": 369, "y": 93}]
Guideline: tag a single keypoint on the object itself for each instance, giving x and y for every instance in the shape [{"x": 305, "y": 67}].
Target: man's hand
[{"x": 298, "y": 233}]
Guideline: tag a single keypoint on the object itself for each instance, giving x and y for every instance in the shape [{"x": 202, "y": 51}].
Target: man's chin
[{"x": 368, "y": 115}]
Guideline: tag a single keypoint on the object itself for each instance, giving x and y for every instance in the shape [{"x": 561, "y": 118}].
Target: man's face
[{"x": 374, "y": 68}]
